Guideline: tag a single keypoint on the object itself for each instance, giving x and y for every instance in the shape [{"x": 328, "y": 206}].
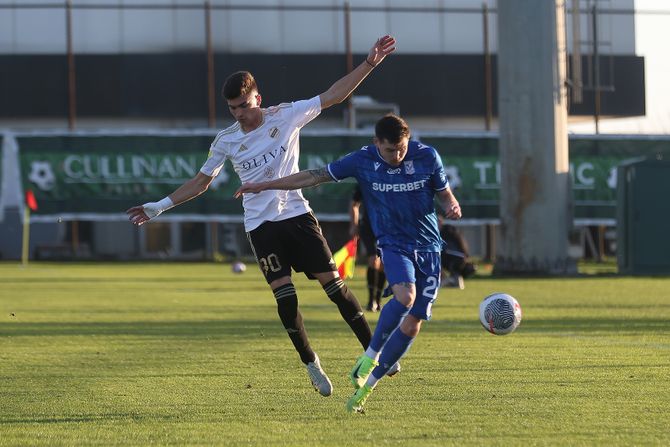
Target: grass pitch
[{"x": 192, "y": 354}]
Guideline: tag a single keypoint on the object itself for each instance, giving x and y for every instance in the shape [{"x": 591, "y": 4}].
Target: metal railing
[
  {"x": 347, "y": 10},
  {"x": 206, "y": 7}
]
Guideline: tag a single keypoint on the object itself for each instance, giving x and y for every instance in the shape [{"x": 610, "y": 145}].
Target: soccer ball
[
  {"x": 500, "y": 313},
  {"x": 239, "y": 267}
]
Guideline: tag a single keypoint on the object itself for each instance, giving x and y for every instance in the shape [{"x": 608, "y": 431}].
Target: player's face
[
  {"x": 392, "y": 153},
  {"x": 246, "y": 110}
]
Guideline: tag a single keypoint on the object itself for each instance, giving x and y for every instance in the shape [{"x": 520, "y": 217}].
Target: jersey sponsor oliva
[{"x": 268, "y": 152}]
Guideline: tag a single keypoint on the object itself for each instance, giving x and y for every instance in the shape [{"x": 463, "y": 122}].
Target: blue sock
[
  {"x": 396, "y": 346},
  {"x": 390, "y": 317}
]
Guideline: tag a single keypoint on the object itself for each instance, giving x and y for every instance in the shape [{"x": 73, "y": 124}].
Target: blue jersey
[{"x": 399, "y": 199}]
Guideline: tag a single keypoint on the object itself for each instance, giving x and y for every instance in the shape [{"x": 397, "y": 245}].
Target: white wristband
[
  {"x": 165, "y": 203},
  {"x": 153, "y": 209}
]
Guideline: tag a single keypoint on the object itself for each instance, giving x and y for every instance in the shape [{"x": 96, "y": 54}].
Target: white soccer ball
[
  {"x": 239, "y": 267},
  {"x": 500, "y": 313}
]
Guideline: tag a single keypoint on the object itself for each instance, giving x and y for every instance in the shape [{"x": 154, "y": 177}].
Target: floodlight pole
[
  {"x": 488, "y": 90},
  {"x": 71, "y": 74},
  {"x": 577, "y": 86},
  {"x": 211, "y": 95},
  {"x": 349, "y": 60},
  {"x": 596, "y": 69}
]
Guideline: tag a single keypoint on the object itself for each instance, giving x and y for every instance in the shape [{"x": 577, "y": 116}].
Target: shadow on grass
[
  {"x": 86, "y": 418},
  {"x": 256, "y": 281},
  {"x": 569, "y": 326},
  {"x": 259, "y": 328},
  {"x": 576, "y": 276},
  {"x": 190, "y": 328}
]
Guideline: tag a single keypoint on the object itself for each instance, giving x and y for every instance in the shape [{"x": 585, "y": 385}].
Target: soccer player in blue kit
[{"x": 399, "y": 179}]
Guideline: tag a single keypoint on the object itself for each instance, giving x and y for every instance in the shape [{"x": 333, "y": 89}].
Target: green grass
[{"x": 190, "y": 354}]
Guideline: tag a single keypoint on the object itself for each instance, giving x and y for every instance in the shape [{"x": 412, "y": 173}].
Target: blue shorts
[{"x": 420, "y": 268}]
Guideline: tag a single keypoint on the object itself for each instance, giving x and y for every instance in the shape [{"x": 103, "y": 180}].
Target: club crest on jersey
[
  {"x": 274, "y": 132},
  {"x": 409, "y": 167},
  {"x": 455, "y": 180},
  {"x": 377, "y": 165},
  {"x": 269, "y": 172},
  {"x": 243, "y": 148}
]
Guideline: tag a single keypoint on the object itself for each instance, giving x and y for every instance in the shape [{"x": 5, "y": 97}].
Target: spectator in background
[{"x": 455, "y": 258}]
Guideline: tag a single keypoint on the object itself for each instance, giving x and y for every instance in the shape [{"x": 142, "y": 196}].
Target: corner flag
[
  {"x": 345, "y": 259},
  {"x": 31, "y": 204},
  {"x": 30, "y": 200}
]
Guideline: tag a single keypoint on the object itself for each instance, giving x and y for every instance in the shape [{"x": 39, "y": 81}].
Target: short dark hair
[
  {"x": 238, "y": 84},
  {"x": 391, "y": 128}
]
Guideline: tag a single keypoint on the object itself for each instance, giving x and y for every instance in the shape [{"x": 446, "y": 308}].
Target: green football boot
[
  {"x": 356, "y": 402},
  {"x": 361, "y": 370}
]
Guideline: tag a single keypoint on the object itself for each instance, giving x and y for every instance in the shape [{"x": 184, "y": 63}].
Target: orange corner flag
[
  {"x": 345, "y": 259},
  {"x": 30, "y": 200}
]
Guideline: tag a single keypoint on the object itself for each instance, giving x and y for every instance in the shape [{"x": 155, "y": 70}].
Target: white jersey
[{"x": 268, "y": 152}]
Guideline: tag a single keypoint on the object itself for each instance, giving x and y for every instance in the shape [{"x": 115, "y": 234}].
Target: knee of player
[{"x": 405, "y": 296}]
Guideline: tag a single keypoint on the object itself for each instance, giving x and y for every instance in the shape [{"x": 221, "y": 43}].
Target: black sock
[
  {"x": 372, "y": 285},
  {"x": 376, "y": 281},
  {"x": 287, "y": 308},
  {"x": 350, "y": 309},
  {"x": 381, "y": 282}
]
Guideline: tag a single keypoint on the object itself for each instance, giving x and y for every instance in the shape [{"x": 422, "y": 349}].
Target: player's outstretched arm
[
  {"x": 343, "y": 87},
  {"x": 448, "y": 202},
  {"x": 302, "y": 179},
  {"x": 192, "y": 188}
]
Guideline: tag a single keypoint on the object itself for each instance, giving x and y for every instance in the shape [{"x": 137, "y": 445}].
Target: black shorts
[{"x": 296, "y": 243}]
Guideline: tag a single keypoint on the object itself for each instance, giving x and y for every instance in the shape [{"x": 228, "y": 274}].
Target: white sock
[
  {"x": 372, "y": 354},
  {"x": 372, "y": 381}
]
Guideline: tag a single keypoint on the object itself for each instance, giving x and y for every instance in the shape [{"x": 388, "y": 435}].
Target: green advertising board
[
  {"x": 474, "y": 169},
  {"x": 2, "y": 181},
  {"x": 2, "y": 159},
  {"x": 108, "y": 174},
  {"x": 105, "y": 175}
]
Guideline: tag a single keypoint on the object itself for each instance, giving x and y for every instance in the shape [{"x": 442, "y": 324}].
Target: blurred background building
[
  {"x": 145, "y": 63},
  {"x": 109, "y": 103}
]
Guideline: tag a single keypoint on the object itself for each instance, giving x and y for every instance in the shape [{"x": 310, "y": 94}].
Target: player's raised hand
[
  {"x": 136, "y": 215},
  {"x": 383, "y": 47},
  {"x": 143, "y": 213}
]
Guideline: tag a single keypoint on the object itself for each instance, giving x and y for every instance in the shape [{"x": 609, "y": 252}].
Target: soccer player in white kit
[{"x": 281, "y": 228}]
